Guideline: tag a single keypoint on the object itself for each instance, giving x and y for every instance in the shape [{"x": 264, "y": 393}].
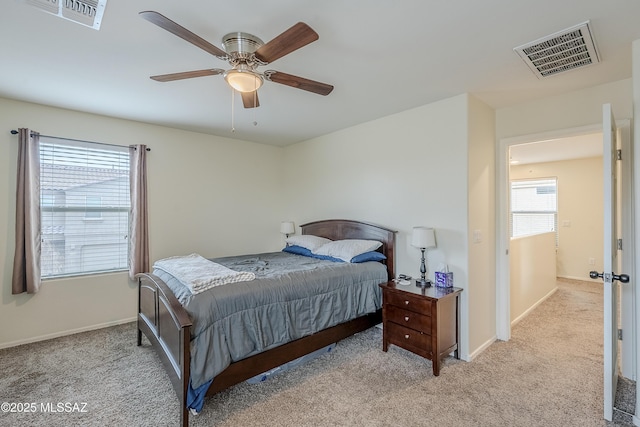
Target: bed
[{"x": 169, "y": 326}]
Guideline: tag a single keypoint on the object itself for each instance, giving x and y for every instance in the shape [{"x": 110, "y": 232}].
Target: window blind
[
  {"x": 534, "y": 207},
  {"x": 84, "y": 197}
]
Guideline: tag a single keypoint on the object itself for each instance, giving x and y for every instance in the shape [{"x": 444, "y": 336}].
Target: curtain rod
[{"x": 15, "y": 132}]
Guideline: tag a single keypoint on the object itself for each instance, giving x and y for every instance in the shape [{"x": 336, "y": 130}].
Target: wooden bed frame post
[{"x": 167, "y": 325}]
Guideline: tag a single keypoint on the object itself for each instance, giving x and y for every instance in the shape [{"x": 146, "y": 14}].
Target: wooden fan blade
[
  {"x": 167, "y": 24},
  {"x": 250, "y": 99},
  {"x": 187, "y": 75},
  {"x": 298, "y": 82},
  {"x": 292, "y": 39}
]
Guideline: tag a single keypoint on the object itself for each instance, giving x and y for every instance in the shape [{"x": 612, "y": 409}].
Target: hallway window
[{"x": 534, "y": 207}]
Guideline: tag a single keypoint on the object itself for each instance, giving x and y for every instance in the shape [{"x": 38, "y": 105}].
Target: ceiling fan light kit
[
  {"x": 245, "y": 53},
  {"x": 243, "y": 80},
  {"x": 240, "y": 48}
]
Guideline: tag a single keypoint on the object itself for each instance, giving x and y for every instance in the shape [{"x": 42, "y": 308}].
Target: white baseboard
[
  {"x": 583, "y": 279},
  {"x": 533, "y": 307},
  {"x": 480, "y": 349},
  {"x": 65, "y": 333}
]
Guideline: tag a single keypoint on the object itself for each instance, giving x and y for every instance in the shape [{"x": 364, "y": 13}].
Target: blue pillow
[
  {"x": 368, "y": 256},
  {"x": 299, "y": 250}
]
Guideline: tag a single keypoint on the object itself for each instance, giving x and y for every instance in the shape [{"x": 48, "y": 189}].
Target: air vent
[
  {"x": 563, "y": 51},
  {"x": 85, "y": 12}
]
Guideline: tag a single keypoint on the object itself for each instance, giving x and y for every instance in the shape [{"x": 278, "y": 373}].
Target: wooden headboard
[{"x": 337, "y": 229}]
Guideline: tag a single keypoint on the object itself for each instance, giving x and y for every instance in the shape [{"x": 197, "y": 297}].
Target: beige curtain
[
  {"x": 26, "y": 261},
  {"x": 139, "y": 223}
]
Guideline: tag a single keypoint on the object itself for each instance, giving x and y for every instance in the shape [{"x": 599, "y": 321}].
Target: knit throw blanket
[{"x": 199, "y": 274}]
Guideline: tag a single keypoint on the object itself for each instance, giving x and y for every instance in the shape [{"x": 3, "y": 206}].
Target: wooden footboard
[{"x": 167, "y": 325}]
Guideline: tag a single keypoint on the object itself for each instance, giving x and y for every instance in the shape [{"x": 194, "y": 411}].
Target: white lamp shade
[
  {"x": 423, "y": 237},
  {"x": 287, "y": 227}
]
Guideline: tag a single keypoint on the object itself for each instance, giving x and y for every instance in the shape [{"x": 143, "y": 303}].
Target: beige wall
[
  {"x": 411, "y": 169},
  {"x": 399, "y": 171},
  {"x": 481, "y": 243},
  {"x": 580, "y": 191},
  {"x": 533, "y": 272},
  {"x": 570, "y": 110},
  {"x": 210, "y": 195}
]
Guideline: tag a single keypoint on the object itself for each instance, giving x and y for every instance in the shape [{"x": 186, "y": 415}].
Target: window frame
[
  {"x": 69, "y": 221},
  {"x": 544, "y": 182}
]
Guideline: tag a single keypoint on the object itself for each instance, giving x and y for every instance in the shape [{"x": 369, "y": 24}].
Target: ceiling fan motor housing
[{"x": 241, "y": 44}]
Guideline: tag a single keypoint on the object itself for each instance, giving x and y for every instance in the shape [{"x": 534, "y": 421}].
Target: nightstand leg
[
  {"x": 436, "y": 366},
  {"x": 385, "y": 342}
]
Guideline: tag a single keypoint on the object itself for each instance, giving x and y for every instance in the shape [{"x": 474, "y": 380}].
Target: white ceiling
[
  {"x": 554, "y": 150},
  {"x": 383, "y": 57}
]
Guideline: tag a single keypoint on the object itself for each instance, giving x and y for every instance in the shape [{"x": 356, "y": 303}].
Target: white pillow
[
  {"x": 307, "y": 241},
  {"x": 347, "y": 248}
]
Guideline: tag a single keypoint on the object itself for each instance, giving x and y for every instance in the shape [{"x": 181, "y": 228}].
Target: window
[
  {"x": 93, "y": 207},
  {"x": 534, "y": 207},
  {"x": 84, "y": 198}
]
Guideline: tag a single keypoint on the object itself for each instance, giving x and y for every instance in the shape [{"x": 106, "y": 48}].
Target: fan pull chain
[
  {"x": 255, "y": 113},
  {"x": 233, "y": 98}
]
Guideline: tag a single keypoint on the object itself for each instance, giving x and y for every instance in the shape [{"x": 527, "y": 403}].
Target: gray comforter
[{"x": 291, "y": 297}]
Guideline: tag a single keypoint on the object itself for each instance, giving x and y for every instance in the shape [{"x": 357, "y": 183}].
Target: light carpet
[{"x": 549, "y": 374}]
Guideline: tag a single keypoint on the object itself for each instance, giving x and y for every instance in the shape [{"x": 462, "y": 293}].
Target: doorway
[
  {"x": 537, "y": 149},
  {"x": 503, "y": 315}
]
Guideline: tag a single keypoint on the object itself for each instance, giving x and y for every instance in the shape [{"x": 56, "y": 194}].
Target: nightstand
[{"x": 421, "y": 320}]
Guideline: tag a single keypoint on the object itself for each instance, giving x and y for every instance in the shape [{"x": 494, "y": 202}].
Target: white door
[{"x": 611, "y": 266}]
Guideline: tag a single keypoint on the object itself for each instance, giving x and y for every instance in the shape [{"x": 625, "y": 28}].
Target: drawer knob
[
  {"x": 406, "y": 303},
  {"x": 406, "y": 336},
  {"x": 406, "y": 318}
]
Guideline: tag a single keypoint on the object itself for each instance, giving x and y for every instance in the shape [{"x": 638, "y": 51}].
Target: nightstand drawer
[
  {"x": 408, "y": 318},
  {"x": 409, "y": 302},
  {"x": 408, "y": 338}
]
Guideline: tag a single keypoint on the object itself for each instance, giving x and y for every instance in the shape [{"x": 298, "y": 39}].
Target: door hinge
[
  {"x": 619, "y": 244},
  {"x": 620, "y": 334},
  {"x": 619, "y": 154}
]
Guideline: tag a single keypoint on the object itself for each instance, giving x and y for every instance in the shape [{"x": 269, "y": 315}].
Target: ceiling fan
[{"x": 245, "y": 53}]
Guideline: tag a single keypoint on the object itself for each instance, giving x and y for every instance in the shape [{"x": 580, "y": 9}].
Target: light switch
[{"x": 477, "y": 236}]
